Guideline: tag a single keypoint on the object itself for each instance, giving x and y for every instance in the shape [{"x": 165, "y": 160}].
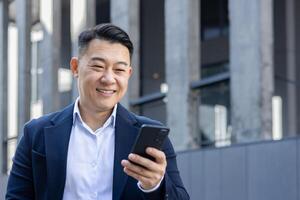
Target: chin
[{"x": 105, "y": 107}]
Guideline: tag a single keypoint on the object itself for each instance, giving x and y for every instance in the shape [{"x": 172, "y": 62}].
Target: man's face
[{"x": 103, "y": 72}]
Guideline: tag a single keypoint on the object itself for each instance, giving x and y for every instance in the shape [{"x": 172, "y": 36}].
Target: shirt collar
[{"x": 110, "y": 121}]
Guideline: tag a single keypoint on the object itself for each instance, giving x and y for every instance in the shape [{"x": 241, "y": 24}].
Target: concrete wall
[{"x": 256, "y": 171}]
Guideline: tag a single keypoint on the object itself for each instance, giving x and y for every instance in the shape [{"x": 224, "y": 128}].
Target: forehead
[{"x": 100, "y": 47}]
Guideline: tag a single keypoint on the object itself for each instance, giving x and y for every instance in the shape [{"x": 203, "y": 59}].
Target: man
[{"x": 83, "y": 151}]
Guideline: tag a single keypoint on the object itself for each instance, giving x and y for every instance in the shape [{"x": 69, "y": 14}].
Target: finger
[
  {"x": 145, "y": 162},
  {"x": 159, "y": 156},
  {"x": 137, "y": 169},
  {"x": 158, "y": 169},
  {"x": 145, "y": 182}
]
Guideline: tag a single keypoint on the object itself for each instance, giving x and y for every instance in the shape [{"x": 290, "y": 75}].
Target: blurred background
[{"x": 224, "y": 75}]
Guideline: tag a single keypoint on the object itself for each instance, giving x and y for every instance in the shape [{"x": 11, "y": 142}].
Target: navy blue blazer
[{"x": 39, "y": 164}]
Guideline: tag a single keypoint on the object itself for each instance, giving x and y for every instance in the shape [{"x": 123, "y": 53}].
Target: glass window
[
  {"x": 214, "y": 18},
  {"x": 152, "y": 52},
  {"x": 155, "y": 109},
  {"x": 215, "y": 109},
  {"x": 210, "y": 70},
  {"x": 286, "y": 106},
  {"x": 214, "y": 105},
  {"x": 152, "y": 58},
  {"x": 102, "y": 11}
]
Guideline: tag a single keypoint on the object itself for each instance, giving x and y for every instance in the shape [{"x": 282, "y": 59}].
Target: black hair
[{"x": 105, "y": 31}]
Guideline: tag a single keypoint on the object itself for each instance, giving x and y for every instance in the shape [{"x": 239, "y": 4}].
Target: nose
[{"x": 107, "y": 77}]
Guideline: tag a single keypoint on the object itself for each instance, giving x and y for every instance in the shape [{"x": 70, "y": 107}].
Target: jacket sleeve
[
  {"x": 172, "y": 186},
  {"x": 20, "y": 182}
]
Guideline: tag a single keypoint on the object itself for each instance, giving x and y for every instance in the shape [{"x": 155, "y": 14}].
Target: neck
[{"x": 94, "y": 119}]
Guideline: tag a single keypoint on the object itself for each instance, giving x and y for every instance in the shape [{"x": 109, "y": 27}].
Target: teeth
[{"x": 105, "y": 91}]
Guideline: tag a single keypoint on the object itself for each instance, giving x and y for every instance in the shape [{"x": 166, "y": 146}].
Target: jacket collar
[{"x": 63, "y": 115}]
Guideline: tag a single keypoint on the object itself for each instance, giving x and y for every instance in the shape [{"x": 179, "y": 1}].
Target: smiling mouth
[{"x": 107, "y": 92}]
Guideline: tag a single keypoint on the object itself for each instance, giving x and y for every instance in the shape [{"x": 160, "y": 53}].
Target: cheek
[
  {"x": 90, "y": 78},
  {"x": 86, "y": 85},
  {"x": 123, "y": 82}
]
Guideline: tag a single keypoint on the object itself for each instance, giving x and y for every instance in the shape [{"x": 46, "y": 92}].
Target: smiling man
[{"x": 83, "y": 151}]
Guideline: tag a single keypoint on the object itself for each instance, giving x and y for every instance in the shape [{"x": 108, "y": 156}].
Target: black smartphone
[{"x": 150, "y": 136}]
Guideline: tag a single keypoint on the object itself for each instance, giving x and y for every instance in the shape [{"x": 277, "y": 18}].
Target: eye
[
  {"x": 120, "y": 70},
  {"x": 97, "y": 67}
]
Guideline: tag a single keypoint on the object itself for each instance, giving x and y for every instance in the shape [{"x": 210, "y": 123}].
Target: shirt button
[{"x": 94, "y": 164}]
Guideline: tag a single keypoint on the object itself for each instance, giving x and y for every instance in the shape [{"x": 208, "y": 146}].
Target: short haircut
[{"x": 106, "y": 31}]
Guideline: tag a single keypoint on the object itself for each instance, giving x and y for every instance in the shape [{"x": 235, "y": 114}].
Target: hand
[{"x": 149, "y": 173}]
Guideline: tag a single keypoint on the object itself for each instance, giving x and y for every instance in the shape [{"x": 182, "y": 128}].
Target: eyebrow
[{"x": 103, "y": 60}]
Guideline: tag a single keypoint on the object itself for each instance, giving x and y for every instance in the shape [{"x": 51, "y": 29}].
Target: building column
[
  {"x": 291, "y": 67},
  {"x": 3, "y": 83},
  {"x": 3, "y": 184},
  {"x": 126, "y": 14},
  {"x": 182, "y": 66},
  {"x": 23, "y": 18},
  {"x": 297, "y": 81},
  {"x": 50, "y": 16},
  {"x": 251, "y": 68},
  {"x": 83, "y": 16}
]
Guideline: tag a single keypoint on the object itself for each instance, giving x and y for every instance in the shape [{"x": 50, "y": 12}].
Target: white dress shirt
[{"x": 90, "y": 161}]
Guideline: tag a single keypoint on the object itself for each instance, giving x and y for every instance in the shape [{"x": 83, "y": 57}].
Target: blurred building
[{"x": 217, "y": 72}]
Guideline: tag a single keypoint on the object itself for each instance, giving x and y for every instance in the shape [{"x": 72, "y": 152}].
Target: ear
[
  {"x": 130, "y": 71},
  {"x": 74, "y": 66}
]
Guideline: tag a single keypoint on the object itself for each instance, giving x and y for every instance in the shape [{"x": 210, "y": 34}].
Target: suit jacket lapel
[
  {"x": 56, "y": 148},
  {"x": 125, "y": 134}
]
